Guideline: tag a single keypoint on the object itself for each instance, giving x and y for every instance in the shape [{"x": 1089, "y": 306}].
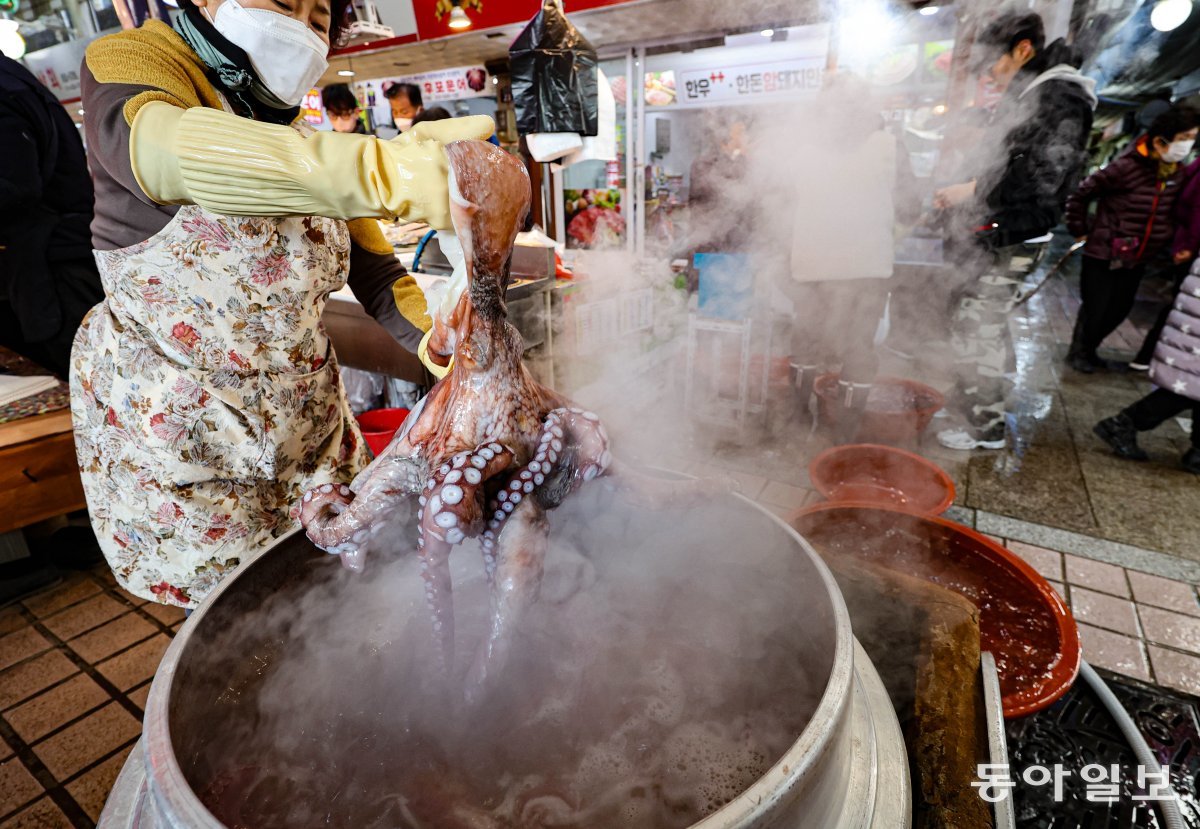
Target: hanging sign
[
  {"x": 433, "y": 16},
  {"x": 790, "y": 78},
  {"x": 310, "y": 107}
]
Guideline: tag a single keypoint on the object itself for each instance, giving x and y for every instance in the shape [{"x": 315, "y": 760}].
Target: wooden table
[{"x": 39, "y": 475}]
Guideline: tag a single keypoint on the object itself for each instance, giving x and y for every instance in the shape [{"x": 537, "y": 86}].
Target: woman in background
[{"x": 1134, "y": 197}]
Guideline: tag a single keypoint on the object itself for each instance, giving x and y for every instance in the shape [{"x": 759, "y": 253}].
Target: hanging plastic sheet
[{"x": 554, "y": 76}]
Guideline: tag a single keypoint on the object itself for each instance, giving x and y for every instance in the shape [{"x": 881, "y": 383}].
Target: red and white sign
[
  {"x": 791, "y": 78},
  {"x": 310, "y": 107},
  {"x": 433, "y": 16}
]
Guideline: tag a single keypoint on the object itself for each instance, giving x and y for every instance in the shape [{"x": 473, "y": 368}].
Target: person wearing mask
[
  {"x": 1134, "y": 198},
  {"x": 48, "y": 278},
  {"x": 405, "y": 102},
  {"x": 1183, "y": 253},
  {"x": 1041, "y": 126},
  {"x": 342, "y": 109},
  {"x": 1175, "y": 370},
  {"x": 204, "y": 392}
]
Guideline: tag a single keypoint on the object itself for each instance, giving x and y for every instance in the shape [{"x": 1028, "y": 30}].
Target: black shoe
[
  {"x": 1191, "y": 461},
  {"x": 1084, "y": 365},
  {"x": 1118, "y": 432}
]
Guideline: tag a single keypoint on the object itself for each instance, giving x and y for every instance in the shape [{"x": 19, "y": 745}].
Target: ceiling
[{"x": 609, "y": 29}]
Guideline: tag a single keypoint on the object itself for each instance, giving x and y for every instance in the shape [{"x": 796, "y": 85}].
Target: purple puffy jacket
[
  {"x": 1133, "y": 207},
  {"x": 1187, "y": 213},
  {"x": 1176, "y": 364}
]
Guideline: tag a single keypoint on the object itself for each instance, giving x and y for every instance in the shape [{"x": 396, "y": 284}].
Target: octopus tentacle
[
  {"x": 340, "y": 520},
  {"x": 450, "y": 510},
  {"x": 521, "y": 552}
]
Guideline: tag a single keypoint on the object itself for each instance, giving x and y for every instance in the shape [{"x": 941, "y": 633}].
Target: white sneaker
[
  {"x": 964, "y": 441},
  {"x": 1136, "y": 366}
]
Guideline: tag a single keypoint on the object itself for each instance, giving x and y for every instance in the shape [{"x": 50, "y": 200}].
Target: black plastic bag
[{"x": 554, "y": 80}]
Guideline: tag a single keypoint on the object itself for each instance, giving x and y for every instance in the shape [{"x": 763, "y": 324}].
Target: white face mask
[
  {"x": 1177, "y": 151},
  {"x": 403, "y": 124},
  {"x": 288, "y": 56}
]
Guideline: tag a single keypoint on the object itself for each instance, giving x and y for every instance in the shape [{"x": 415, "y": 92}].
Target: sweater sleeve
[
  {"x": 124, "y": 215},
  {"x": 377, "y": 279}
]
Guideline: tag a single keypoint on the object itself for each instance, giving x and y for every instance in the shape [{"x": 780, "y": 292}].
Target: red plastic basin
[
  {"x": 898, "y": 410},
  {"x": 379, "y": 426},
  {"x": 1022, "y": 620},
  {"x": 866, "y": 473}
]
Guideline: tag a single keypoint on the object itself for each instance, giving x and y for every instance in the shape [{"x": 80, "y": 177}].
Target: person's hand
[
  {"x": 1182, "y": 256},
  {"x": 447, "y": 130},
  {"x": 953, "y": 195}
]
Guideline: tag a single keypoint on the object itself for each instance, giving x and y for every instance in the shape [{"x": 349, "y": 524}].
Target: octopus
[{"x": 489, "y": 451}]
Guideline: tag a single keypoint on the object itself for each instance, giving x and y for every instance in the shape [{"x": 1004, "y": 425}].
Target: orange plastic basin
[
  {"x": 867, "y": 473},
  {"x": 1022, "y": 620},
  {"x": 897, "y": 410}
]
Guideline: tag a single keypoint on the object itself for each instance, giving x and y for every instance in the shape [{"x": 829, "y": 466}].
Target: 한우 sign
[{"x": 738, "y": 83}]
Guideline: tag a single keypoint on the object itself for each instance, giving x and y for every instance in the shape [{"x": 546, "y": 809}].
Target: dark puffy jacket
[
  {"x": 46, "y": 198},
  {"x": 1133, "y": 208},
  {"x": 1047, "y": 118},
  {"x": 1187, "y": 214},
  {"x": 1176, "y": 363}
]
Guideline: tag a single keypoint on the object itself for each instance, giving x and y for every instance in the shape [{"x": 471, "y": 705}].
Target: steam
[{"x": 644, "y": 689}]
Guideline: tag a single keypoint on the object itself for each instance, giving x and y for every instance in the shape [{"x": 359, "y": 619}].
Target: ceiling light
[
  {"x": 458, "y": 17},
  {"x": 346, "y": 73},
  {"x": 80, "y": 111},
  {"x": 11, "y": 42},
  {"x": 495, "y": 79},
  {"x": 1170, "y": 14},
  {"x": 767, "y": 33},
  {"x": 929, "y": 10}
]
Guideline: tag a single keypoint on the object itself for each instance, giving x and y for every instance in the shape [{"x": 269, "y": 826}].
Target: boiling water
[{"x": 671, "y": 661}]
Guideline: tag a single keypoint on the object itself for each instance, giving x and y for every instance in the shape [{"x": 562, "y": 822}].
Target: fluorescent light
[
  {"x": 458, "y": 18},
  {"x": 11, "y": 42},
  {"x": 767, "y": 33},
  {"x": 1170, "y": 14},
  {"x": 929, "y": 10},
  {"x": 346, "y": 73}
]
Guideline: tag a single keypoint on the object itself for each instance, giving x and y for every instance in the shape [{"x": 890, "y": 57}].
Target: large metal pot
[{"x": 847, "y": 770}]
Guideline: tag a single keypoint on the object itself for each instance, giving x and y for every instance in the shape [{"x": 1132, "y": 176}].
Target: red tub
[
  {"x": 866, "y": 473},
  {"x": 898, "y": 410},
  {"x": 379, "y": 426},
  {"x": 1022, "y": 620}
]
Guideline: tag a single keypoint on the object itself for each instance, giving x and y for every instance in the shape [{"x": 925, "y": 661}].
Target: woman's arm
[
  {"x": 1097, "y": 185},
  {"x": 239, "y": 167},
  {"x": 384, "y": 289}
]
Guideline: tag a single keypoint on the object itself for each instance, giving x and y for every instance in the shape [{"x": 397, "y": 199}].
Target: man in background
[
  {"x": 1036, "y": 153},
  {"x": 342, "y": 108},
  {"x": 48, "y": 279},
  {"x": 406, "y": 104}
]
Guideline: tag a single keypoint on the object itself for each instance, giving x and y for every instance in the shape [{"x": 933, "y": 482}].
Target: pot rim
[{"x": 183, "y": 806}]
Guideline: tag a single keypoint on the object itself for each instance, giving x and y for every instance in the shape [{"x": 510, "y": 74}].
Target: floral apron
[{"x": 206, "y": 397}]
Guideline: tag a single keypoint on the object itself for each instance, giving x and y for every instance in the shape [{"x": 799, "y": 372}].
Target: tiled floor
[{"x": 76, "y": 662}]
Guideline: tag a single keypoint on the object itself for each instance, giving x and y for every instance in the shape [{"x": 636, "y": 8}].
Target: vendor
[
  {"x": 405, "y": 102},
  {"x": 204, "y": 391}
]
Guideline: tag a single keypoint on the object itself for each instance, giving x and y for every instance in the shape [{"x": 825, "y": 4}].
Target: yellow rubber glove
[
  {"x": 240, "y": 167},
  {"x": 423, "y": 354}
]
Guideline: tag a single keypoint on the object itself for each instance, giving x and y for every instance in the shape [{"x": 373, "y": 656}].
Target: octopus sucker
[{"x": 537, "y": 448}]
